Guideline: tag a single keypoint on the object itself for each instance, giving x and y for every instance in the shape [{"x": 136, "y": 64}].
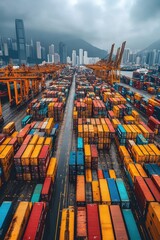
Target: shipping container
[
  {"x": 125, "y": 202},
  {"x": 52, "y": 169},
  {"x": 93, "y": 225},
  {"x": 118, "y": 223},
  {"x": 36, "y": 193},
  {"x": 81, "y": 230},
  {"x": 143, "y": 194},
  {"x": 80, "y": 190},
  {"x": 67, "y": 224},
  {"x": 114, "y": 195},
  {"x": 106, "y": 223},
  {"x": 19, "y": 221},
  {"x": 153, "y": 189},
  {"x": 131, "y": 225},
  {"x": 6, "y": 211},
  {"x": 47, "y": 189},
  {"x": 104, "y": 191},
  {"x": 96, "y": 192}
]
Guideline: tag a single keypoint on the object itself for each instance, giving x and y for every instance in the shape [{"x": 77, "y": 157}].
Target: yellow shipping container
[
  {"x": 52, "y": 169},
  {"x": 75, "y": 115},
  {"x": 137, "y": 154},
  {"x": 124, "y": 152},
  {"x": 91, "y": 130},
  {"x": 127, "y": 161},
  {"x": 112, "y": 173},
  {"x": 154, "y": 211},
  {"x": 152, "y": 155},
  {"x": 35, "y": 154},
  {"x": 34, "y": 139},
  {"x": 49, "y": 126},
  {"x": 141, "y": 170},
  {"x": 104, "y": 190},
  {"x": 6, "y": 155},
  {"x": 41, "y": 141},
  {"x": 144, "y": 151},
  {"x": 80, "y": 130},
  {"x": 96, "y": 192},
  {"x": 19, "y": 221},
  {"x": 155, "y": 150},
  {"x": 106, "y": 223},
  {"x": 128, "y": 131},
  {"x": 2, "y": 147},
  {"x": 25, "y": 159},
  {"x": 133, "y": 172},
  {"x": 144, "y": 131},
  {"x": 88, "y": 175},
  {"x": 7, "y": 140},
  {"x": 14, "y": 134},
  {"x": 85, "y": 130},
  {"x": 8, "y": 127},
  {"x": 133, "y": 132},
  {"x": 137, "y": 129}
]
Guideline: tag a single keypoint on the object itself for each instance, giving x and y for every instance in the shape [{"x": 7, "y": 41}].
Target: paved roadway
[{"x": 60, "y": 195}]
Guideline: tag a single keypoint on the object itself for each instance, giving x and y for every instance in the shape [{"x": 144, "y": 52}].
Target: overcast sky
[{"x": 100, "y": 22}]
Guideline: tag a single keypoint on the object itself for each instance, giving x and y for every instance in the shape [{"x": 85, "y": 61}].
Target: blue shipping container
[
  {"x": 113, "y": 191},
  {"x": 121, "y": 131},
  {"x": 5, "y": 217},
  {"x": 106, "y": 174},
  {"x": 125, "y": 203},
  {"x": 72, "y": 158},
  {"x": 150, "y": 171},
  {"x": 155, "y": 168},
  {"x": 80, "y": 158},
  {"x": 130, "y": 222},
  {"x": 80, "y": 143}
]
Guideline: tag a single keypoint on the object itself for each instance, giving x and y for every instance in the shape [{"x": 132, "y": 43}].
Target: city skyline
[
  {"x": 18, "y": 52},
  {"x": 99, "y": 22}
]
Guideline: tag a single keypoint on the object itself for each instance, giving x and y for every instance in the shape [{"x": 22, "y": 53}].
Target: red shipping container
[
  {"x": 27, "y": 139},
  {"x": 143, "y": 194},
  {"x": 36, "y": 222},
  {"x": 93, "y": 225},
  {"x": 94, "y": 151},
  {"x": 81, "y": 222},
  {"x": 17, "y": 156},
  {"x": 153, "y": 189},
  {"x": 46, "y": 192},
  {"x": 118, "y": 223},
  {"x": 156, "y": 180},
  {"x": 43, "y": 158},
  {"x": 100, "y": 174}
]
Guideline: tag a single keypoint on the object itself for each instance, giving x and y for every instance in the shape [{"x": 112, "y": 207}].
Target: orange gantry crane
[
  {"x": 26, "y": 81},
  {"x": 109, "y": 69}
]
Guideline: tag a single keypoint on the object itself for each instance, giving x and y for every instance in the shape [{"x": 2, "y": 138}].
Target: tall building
[
  {"x": 21, "y": 41},
  {"x": 62, "y": 52},
  {"x": 80, "y": 56},
  {"x": 50, "y": 56},
  {"x": 56, "y": 58},
  {"x": 73, "y": 58},
  {"x": 126, "y": 54},
  {"x": 85, "y": 57},
  {"x": 38, "y": 50}
]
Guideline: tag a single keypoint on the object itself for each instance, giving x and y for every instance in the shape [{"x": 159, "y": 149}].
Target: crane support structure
[
  {"x": 27, "y": 81},
  {"x": 108, "y": 69}
]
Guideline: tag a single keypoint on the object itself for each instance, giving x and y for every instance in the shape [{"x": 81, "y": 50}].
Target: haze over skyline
[{"x": 99, "y": 22}]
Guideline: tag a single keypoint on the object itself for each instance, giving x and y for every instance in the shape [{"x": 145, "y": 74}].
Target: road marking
[{"x": 58, "y": 216}]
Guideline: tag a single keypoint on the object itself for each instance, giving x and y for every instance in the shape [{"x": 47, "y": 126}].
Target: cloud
[{"x": 100, "y": 22}]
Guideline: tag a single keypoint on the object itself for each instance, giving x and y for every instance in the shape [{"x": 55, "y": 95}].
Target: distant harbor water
[{"x": 127, "y": 73}]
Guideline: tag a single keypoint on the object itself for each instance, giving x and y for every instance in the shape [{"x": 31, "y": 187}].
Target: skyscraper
[
  {"x": 85, "y": 57},
  {"x": 74, "y": 58},
  {"x": 38, "y": 50},
  {"x": 62, "y": 52},
  {"x": 21, "y": 41},
  {"x": 80, "y": 56}
]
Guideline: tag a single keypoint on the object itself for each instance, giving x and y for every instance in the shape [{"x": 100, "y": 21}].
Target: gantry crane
[
  {"x": 30, "y": 80},
  {"x": 109, "y": 70}
]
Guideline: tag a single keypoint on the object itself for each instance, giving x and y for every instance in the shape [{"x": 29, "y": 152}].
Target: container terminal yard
[{"x": 79, "y": 155}]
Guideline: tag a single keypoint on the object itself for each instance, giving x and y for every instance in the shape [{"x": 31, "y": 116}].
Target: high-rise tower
[
  {"x": 21, "y": 41},
  {"x": 62, "y": 52}
]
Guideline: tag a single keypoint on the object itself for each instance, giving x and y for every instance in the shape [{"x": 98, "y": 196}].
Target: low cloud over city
[{"x": 98, "y": 22}]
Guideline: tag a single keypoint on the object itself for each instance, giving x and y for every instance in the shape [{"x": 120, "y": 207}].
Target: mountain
[
  {"x": 154, "y": 45},
  {"x": 76, "y": 44},
  {"x": 72, "y": 43}
]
